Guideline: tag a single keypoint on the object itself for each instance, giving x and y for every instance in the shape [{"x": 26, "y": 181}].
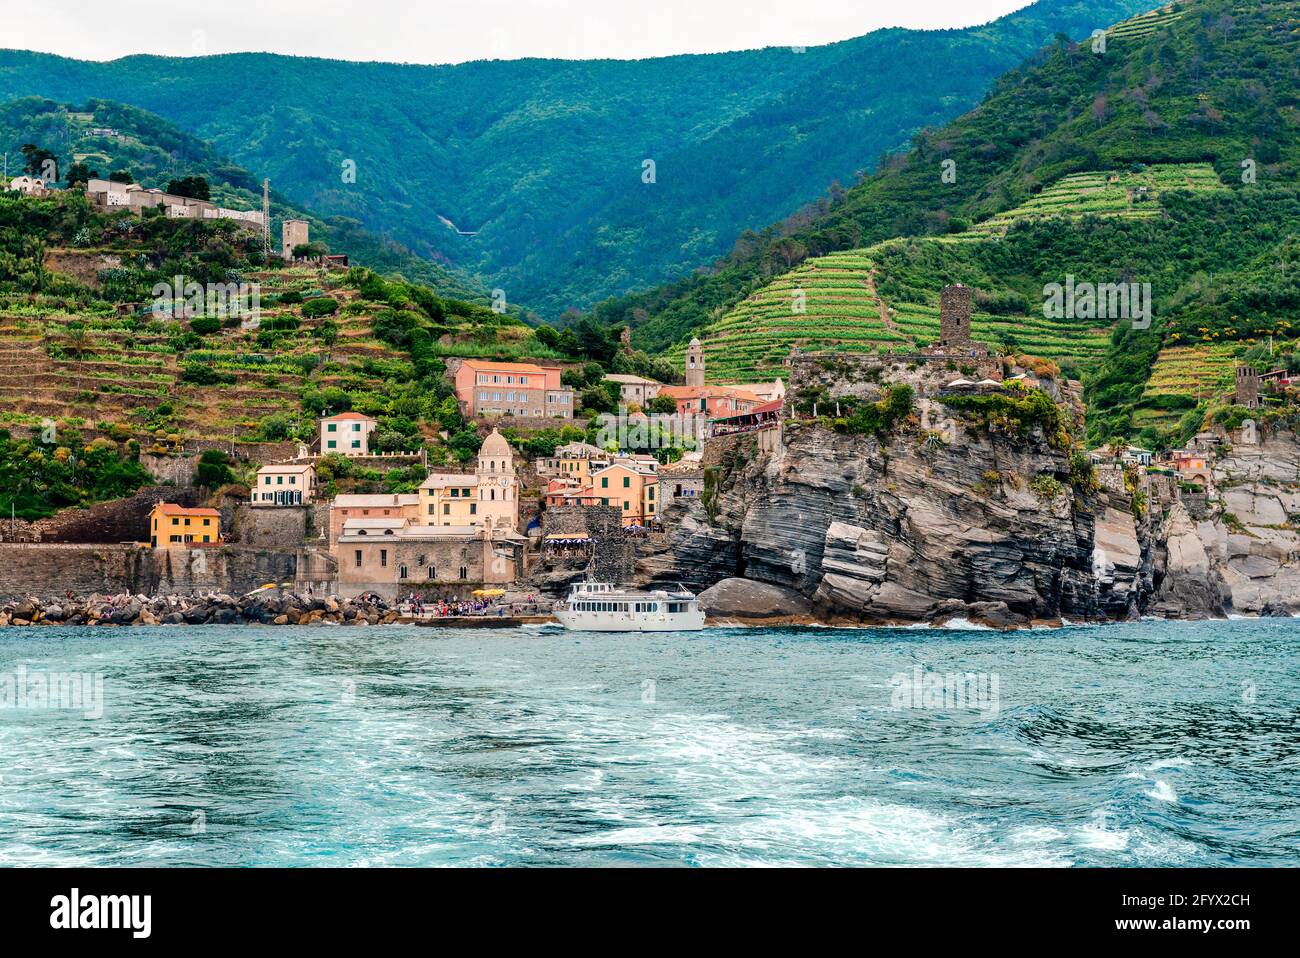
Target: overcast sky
[{"x": 451, "y": 31}]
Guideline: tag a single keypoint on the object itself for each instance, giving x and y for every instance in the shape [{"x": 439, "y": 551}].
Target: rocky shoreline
[
  {"x": 211, "y": 609},
  {"x": 731, "y": 603}
]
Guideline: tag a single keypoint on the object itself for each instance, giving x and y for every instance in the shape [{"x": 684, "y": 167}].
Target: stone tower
[
  {"x": 292, "y": 233},
  {"x": 694, "y": 363},
  {"x": 1247, "y": 387},
  {"x": 954, "y": 315}
]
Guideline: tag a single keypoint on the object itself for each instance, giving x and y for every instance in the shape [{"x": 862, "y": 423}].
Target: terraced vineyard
[
  {"x": 830, "y": 304},
  {"x": 1198, "y": 372},
  {"x": 1145, "y": 24},
  {"x": 120, "y": 370},
  {"x": 1127, "y": 194}
]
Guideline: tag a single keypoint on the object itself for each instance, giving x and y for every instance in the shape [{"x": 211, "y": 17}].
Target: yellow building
[
  {"x": 487, "y": 497},
  {"x": 173, "y": 526}
]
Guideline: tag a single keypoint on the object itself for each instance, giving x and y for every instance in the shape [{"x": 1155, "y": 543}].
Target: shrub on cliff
[
  {"x": 879, "y": 418},
  {"x": 1015, "y": 414}
]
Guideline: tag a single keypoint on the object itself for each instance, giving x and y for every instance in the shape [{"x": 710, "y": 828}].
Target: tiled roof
[
  {"x": 487, "y": 366},
  {"x": 171, "y": 509}
]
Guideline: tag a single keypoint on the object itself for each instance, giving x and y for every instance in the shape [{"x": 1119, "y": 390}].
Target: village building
[
  {"x": 768, "y": 392},
  {"x": 346, "y": 433},
  {"x": 635, "y": 390},
  {"x": 565, "y": 490},
  {"x": 683, "y": 479},
  {"x": 285, "y": 484},
  {"x": 293, "y": 233},
  {"x": 1192, "y": 465},
  {"x": 395, "y": 557},
  {"x": 29, "y": 185},
  {"x": 712, "y": 401},
  {"x": 109, "y": 194},
  {"x": 172, "y": 526},
  {"x": 573, "y": 459},
  {"x": 719, "y": 399},
  {"x": 386, "y": 506},
  {"x": 487, "y": 497},
  {"x": 525, "y": 390},
  {"x": 629, "y": 487},
  {"x": 1137, "y": 456}
]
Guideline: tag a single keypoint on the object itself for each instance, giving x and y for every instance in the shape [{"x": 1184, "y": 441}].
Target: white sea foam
[
  {"x": 960, "y": 624},
  {"x": 1163, "y": 792},
  {"x": 1178, "y": 762}
]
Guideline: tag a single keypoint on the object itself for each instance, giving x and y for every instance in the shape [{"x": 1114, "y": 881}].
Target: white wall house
[
  {"x": 347, "y": 434},
  {"x": 285, "y": 484}
]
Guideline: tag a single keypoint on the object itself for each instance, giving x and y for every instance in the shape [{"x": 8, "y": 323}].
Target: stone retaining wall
[{"x": 52, "y": 569}]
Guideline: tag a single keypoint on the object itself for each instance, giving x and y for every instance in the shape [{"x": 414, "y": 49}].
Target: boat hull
[{"x": 630, "y": 621}]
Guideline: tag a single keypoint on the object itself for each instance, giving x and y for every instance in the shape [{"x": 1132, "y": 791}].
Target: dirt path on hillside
[{"x": 884, "y": 310}]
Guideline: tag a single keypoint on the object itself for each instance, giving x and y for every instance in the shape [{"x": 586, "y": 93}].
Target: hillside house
[
  {"x": 174, "y": 527},
  {"x": 1192, "y": 466},
  {"x": 285, "y": 484},
  {"x": 29, "y": 185},
  {"x": 346, "y": 433},
  {"x": 293, "y": 233},
  {"x": 634, "y": 390},
  {"x": 109, "y": 194},
  {"x": 574, "y": 459},
  {"x": 511, "y": 389}
]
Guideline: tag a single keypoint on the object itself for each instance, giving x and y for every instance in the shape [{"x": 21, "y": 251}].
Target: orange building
[
  {"x": 715, "y": 402},
  {"x": 173, "y": 526},
  {"x": 1192, "y": 465},
  {"x": 512, "y": 389}
]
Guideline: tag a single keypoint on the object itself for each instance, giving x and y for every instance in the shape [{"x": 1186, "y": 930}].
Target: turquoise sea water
[{"x": 1140, "y": 744}]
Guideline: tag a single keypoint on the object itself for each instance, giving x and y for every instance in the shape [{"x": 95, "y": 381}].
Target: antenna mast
[{"x": 266, "y": 219}]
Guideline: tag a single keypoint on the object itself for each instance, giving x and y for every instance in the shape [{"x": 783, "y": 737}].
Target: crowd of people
[{"x": 415, "y": 604}]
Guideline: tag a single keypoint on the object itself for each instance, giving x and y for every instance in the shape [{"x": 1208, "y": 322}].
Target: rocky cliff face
[
  {"x": 981, "y": 525},
  {"x": 1240, "y": 551},
  {"x": 899, "y": 531}
]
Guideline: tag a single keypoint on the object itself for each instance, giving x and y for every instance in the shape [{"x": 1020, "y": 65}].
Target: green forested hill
[
  {"x": 1188, "y": 91},
  {"x": 1171, "y": 158},
  {"x": 543, "y": 160}
]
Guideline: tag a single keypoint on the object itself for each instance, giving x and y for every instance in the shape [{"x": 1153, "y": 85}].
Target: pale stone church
[{"x": 464, "y": 537}]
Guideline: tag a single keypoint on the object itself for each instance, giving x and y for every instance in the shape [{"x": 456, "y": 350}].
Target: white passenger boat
[{"x": 601, "y": 607}]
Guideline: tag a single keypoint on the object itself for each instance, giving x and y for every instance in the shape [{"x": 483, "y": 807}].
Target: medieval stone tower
[
  {"x": 292, "y": 233},
  {"x": 954, "y": 315},
  {"x": 694, "y": 363},
  {"x": 1247, "y": 387}
]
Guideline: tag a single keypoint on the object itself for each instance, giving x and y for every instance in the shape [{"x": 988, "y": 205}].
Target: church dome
[
  {"x": 694, "y": 341},
  {"x": 495, "y": 446}
]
